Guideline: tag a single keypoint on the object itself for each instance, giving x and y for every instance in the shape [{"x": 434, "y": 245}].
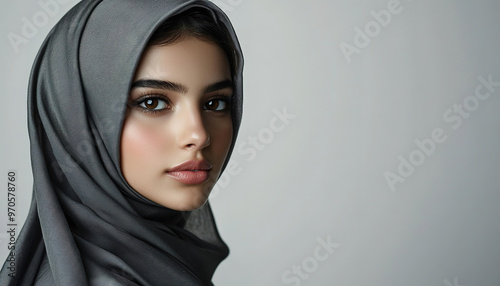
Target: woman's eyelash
[
  {"x": 227, "y": 99},
  {"x": 155, "y": 100}
]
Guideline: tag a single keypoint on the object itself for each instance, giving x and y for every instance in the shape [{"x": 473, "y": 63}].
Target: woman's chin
[{"x": 189, "y": 201}]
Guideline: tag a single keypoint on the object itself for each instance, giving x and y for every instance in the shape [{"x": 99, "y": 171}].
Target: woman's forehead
[{"x": 188, "y": 62}]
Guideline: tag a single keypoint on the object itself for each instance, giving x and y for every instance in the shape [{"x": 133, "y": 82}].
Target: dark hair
[{"x": 199, "y": 23}]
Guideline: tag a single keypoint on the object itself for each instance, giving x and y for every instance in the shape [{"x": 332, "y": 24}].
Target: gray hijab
[{"x": 86, "y": 225}]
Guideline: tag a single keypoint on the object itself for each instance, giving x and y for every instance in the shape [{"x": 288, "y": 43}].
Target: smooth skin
[{"x": 178, "y": 110}]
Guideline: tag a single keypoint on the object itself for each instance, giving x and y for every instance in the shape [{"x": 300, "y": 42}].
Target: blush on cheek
[
  {"x": 143, "y": 136},
  {"x": 137, "y": 145}
]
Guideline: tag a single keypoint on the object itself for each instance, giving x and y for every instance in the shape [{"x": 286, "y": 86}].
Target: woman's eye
[
  {"x": 153, "y": 104},
  {"x": 216, "y": 105}
]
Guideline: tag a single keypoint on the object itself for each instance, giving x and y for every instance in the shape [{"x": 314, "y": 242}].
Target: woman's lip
[
  {"x": 189, "y": 177},
  {"x": 191, "y": 165}
]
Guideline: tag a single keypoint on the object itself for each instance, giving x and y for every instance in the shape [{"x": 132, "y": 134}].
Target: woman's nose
[{"x": 192, "y": 134}]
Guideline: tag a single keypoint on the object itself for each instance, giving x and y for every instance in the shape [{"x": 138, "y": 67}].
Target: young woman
[{"x": 134, "y": 108}]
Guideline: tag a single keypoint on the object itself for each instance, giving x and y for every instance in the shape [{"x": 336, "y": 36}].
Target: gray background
[{"x": 321, "y": 177}]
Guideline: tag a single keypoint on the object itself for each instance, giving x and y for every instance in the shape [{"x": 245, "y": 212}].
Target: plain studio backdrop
[{"x": 369, "y": 148}]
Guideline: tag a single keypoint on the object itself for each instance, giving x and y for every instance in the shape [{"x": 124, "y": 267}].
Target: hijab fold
[{"x": 86, "y": 225}]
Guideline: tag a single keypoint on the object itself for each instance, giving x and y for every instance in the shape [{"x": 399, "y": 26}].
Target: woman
[{"x": 134, "y": 108}]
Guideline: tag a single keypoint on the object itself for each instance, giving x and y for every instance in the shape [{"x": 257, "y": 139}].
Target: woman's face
[{"x": 178, "y": 111}]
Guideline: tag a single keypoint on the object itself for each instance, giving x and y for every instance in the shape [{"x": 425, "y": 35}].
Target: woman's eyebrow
[
  {"x": 177, "y": 87},
  {"x": 219, "y": 85},
  {"x": 161, "y": 84}
]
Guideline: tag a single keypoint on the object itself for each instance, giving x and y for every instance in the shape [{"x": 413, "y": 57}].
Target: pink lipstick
[{"x": 191, "y": 172}]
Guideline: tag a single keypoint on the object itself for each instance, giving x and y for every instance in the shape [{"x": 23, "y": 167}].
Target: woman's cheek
[
  {"x": 141, "y": 144},
  {"x": 221, "y": 137}
]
